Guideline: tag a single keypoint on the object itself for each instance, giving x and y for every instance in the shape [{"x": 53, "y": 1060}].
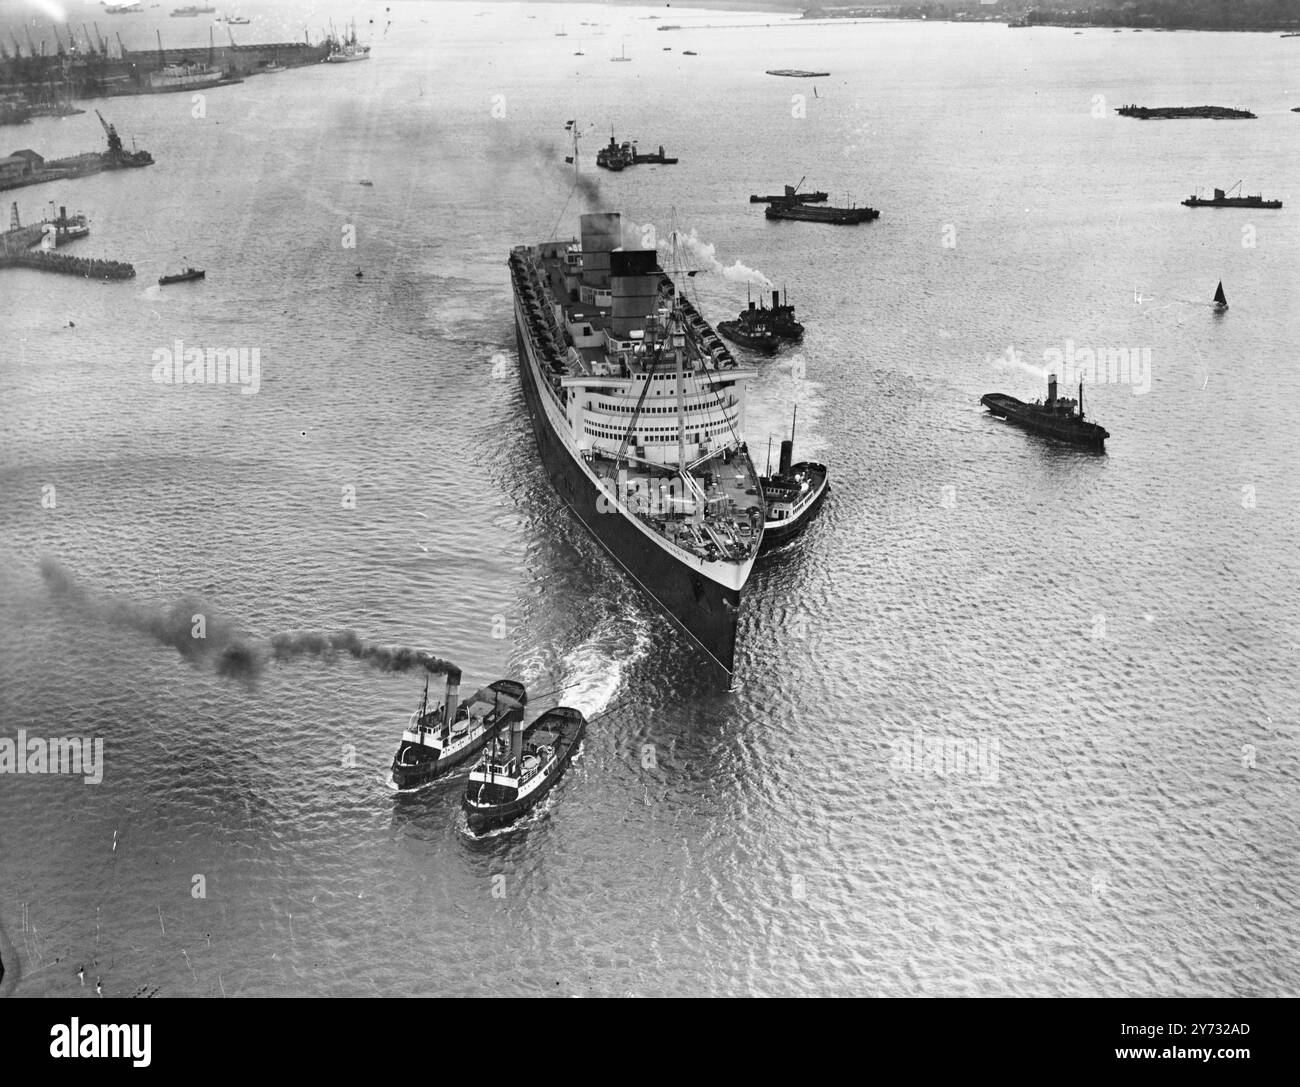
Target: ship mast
[{"x": 678, "y": 345}]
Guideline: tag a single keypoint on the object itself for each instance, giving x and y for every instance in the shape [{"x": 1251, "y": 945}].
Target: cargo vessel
[
  {"x": 813, "y": 214},
  {"x": 638, "y": 410},
  {"x": 347, "y": 49},
  {"x": 518, "y": 770},
  {"x": 438, "y": 740},
  {"x": 1163, "y": 113},
  {"x": 1223, "y": 200},
  {"x": 791, "y": 196},
  {"x": 1055, "y": 418}
]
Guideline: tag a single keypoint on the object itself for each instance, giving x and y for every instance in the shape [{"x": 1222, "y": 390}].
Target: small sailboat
[
  {"x": 579, "y": 53},
  {"x": 1220, "y": 299},
  {"x": 622, "y": 54}
]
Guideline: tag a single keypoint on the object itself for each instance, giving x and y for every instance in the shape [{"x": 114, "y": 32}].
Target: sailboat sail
[{"x": 1219, "y": 298}]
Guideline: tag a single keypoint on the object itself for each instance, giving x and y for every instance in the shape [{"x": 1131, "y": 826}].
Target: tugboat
[
  {"x": 1056, "y": 418},
  {"x": 792, "y": 497},
  {"x": 513, "y": 776},
  {"x": 181, "y": 277},
  {"x": 751, "y": 329},
  {"x": 614, "y": 157},
  {"x": 763, "y": 329},
  {"x": 1223, "y": 200},
  {"x": 782, "y": 319},
  {"x": 438, "y": 740}
]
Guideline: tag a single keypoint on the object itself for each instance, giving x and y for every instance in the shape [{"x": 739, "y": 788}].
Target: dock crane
[{"x": 114, "y": 140}]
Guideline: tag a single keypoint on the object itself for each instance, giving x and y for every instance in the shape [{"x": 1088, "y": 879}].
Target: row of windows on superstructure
[
  {"x": 648, "y": 435},
  {"x": 619, "y": 409}
]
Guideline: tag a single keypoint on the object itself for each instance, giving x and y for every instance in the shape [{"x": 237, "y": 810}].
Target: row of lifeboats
[
  {"x": 541, "y": 319},
  {"x": 707, "y": 337}
]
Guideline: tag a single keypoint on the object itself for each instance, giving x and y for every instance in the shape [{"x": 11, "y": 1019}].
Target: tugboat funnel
[
  {"x": 517, "y": 742},
  {"x": 1051, "y": 389},
  {"x": 787, "y": 455},
  {"x": 449, "y": 706}
]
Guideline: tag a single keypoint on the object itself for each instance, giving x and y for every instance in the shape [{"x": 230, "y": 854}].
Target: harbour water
[{"x": 1101, "y": 649}]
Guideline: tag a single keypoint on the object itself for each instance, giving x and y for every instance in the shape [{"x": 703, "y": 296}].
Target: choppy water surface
[{"x": 1110, "y": 640}]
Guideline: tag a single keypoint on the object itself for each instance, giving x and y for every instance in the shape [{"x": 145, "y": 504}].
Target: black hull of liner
[{"x": 705, "y": 610}]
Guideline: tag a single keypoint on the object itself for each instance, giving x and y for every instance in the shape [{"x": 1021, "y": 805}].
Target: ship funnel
[
  {"x": 634, "y": 277},
  {"x": 602, "y": 233},
  {"x": 776, "y": 299},
  {"x": 751, "y": 305},
  {"x": 1051, "y": 389},
  {"x": 449, "y": 706},
  {"x": 787, "y": 455},
  {"x": 517, "y": 743}
]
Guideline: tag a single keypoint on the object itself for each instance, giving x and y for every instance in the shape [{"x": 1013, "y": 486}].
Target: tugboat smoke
[
  {"x": 704, "y": 256},
  {"x": 287, "y": 647},
  {"x": 205, "y": 638}
]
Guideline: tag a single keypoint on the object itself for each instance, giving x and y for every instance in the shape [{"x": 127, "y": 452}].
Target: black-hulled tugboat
[
  {"x": 182, "y": 276},
  {"x": 439, "y": 739},
  {"x": 751, "y": 329},
  {"x": 517, "y": 770},
  {"x": 792, "y": 497},
  {"x": 1055, "y": 418},
  {"x": 781, "y": 317},
  {"x": 614, "y": 157},
  {"x": 763, "y": 329}
]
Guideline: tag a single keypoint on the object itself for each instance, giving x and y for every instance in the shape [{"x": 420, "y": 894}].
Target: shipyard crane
[{"x": 114, "y": 140}]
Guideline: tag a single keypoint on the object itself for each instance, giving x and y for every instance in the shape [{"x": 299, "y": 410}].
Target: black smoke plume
[{"x": 225, "y": 648}]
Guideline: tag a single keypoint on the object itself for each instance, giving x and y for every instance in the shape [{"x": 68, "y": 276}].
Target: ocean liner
[{"x": 638, "y": 409}]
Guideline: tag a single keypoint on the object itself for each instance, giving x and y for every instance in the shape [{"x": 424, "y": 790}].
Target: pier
[{"x": 17, "y": 250}]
